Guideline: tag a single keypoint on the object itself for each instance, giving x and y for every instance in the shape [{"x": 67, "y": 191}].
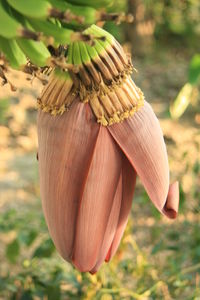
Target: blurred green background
[{"x": 158, "y": 258}]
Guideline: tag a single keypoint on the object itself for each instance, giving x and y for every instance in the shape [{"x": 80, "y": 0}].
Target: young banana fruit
[
  {"x": 10, "y": 27},
  {"x": 31, "y": 8},
  {"x": 89, "y": 14},
  {"x": 40, "y": 9},
  {"x": 92, "y": 3},
  {"x": 24, "y": 26},
  {"x": 60, "y": 35},
  {"x": 12, "y": 52},
  {"x": 36, "y": 51}
]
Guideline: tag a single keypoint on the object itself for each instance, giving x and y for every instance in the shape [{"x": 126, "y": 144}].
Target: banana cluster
[
  {"x": 101, "y": 77},
  {"x": 27, "y": 28}
]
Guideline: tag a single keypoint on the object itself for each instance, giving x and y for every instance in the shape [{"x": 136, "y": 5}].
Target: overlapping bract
[
  {"x": 88, "y": 176},
  {"x": 91, "y": 151}
]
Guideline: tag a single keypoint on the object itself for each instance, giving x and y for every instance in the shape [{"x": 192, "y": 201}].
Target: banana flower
[{"x": 96, "y": 133}]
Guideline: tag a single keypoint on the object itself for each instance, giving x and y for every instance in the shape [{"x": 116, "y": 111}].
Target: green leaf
[
  {"x": 173, "y": 248},
  {"x": 46, "y": 249},
  {"x": 28, "y": 237},
  {"x": 173, "y": 235},
  {"x": 182, "y": 101},
  {"x": 194, "y": 70},
  {"x": 4, "y": 106},
  {"x": 158, "y": 247},
  {"x": 182, "y": 198},
  {"x": 53, "y": 292},
  {"x": 13, "y": 250},
  {"x": 196, "y": 167},
  {"x": 26, "y": 296}
]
